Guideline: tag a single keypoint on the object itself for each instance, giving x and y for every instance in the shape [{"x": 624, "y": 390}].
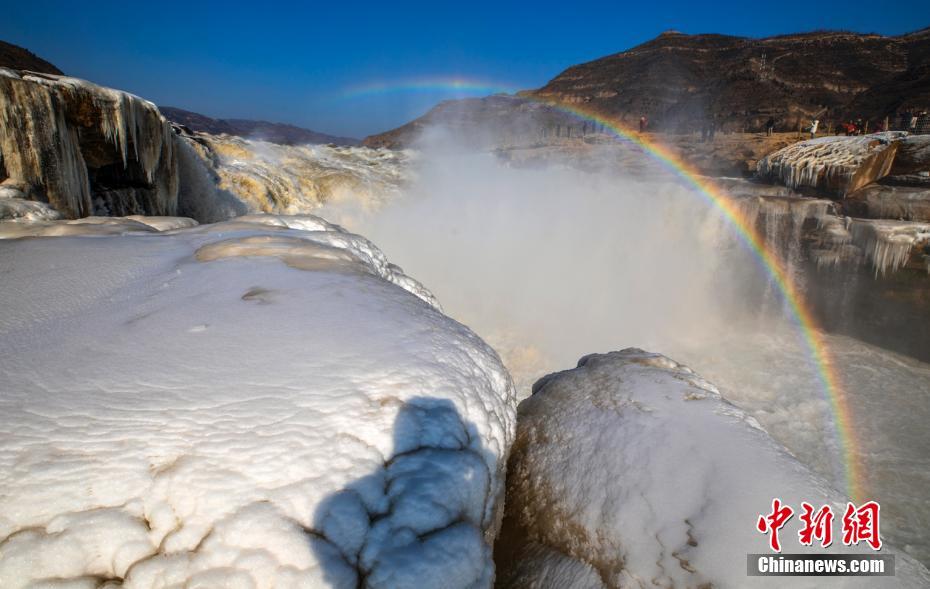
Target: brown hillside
[
  {"x": 17, "y": 58},
  {"x": 678, "y": 80},
  {"x": 682, "y": 81}
]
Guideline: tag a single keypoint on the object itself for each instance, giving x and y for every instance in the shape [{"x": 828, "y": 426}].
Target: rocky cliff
[
  {"x": 70, "y": 148},
  {"x": 678, "y": 80},
  {"x": 84, "y": 148}
]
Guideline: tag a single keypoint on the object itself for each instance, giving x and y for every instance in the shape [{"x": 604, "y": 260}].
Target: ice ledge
[{"x": 835, "y": 165}]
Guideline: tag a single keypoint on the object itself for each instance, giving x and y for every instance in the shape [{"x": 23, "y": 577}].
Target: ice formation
[
  {"x": 84, "y": 148},
  {"x": 19, "y": 209},
  {"x": 785, "y": 221},
  {"x": 838, "y": 165},
  {"x": 796, "y": 226},
  {"x": 888, "y": 244},
  {"x": 294, "y": 179},
  {"x": 631, "y": 471},
  {"x": 265, "y": 402}
]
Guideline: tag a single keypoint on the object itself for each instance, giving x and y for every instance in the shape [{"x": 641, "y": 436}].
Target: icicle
[
  {"x": 40, "y": 149},
  {"x": 888, "y": 244},
  {"x": 43, "y": 117}
]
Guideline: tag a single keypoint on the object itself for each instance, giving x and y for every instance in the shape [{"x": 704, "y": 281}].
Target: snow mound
[
  {"x": 260, "y": 403},
  {"x": 633, "y": 466}
]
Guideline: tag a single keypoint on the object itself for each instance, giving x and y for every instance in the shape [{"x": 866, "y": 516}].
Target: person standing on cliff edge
[
  {"x": 770, "y": 126},
  {"x": 643, "y": 123}
]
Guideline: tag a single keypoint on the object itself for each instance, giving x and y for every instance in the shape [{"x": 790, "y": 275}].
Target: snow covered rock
[
  {"x": 836, "y": 165},
  {"x": 85, "y": 148},
  {"x": 19, "y": 209},
  {"x": 35, "y": 225},
  {"x": 631, "y": 471},
  {"x": 261, "y": 403}
]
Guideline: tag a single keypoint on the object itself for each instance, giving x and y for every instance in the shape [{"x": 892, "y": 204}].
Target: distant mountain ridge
[
  {"x": 18, "y": 58},
  {"x": 280, "y": 133},
  {"x": 677, "y": 79},
  {"x": 680, "y": 81},
  {"x": 479, "y": 122}
]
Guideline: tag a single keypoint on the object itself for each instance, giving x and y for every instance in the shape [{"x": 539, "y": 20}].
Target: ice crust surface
[
  {"x": 260, "y": 403},
  {"x": 631, "y": 471}
]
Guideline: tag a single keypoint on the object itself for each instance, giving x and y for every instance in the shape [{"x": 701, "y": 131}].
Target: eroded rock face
[
  {"x": 631, "y": 470},
  {"x": 879, "y": 201},
  {"x": 835, "y": 165},
  {"x": 913, "y": 155},
  {"x": 84, "y": 148}
]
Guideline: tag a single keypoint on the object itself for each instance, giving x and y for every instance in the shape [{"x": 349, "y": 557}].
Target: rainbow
[
  {"x": 774, "y": 267},
  {"x": 771, "y": 262},
  {"x": 448, "y": 85}
]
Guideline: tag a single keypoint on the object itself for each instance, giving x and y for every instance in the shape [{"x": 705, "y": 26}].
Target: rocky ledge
[{"x": 840, "y": 166}]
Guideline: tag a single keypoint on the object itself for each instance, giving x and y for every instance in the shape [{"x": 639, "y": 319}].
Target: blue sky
[{"x": 292, "y": 61}]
